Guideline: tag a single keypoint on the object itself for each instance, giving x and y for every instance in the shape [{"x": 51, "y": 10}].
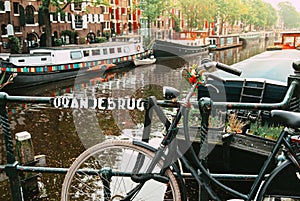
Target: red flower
[{"x": 193, "y": 79}]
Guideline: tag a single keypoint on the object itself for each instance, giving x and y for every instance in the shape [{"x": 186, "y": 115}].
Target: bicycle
[{"x": 134, "y": 170}]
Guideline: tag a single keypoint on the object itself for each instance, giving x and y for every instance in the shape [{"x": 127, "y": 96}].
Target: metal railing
[{"x": 12, "y": 168}]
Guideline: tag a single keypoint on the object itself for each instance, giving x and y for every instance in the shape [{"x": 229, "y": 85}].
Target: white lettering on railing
[{"x": 99, "y": 103}]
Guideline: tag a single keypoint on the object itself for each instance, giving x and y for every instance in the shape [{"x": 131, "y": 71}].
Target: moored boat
[
  {"x": 251, "y": 38},
  {"x": 146, "y": 61},
  {"x": 289, "y": 40},
  {"x": 46, "y": 65},
  {"x": 186, "y": 44},
  {"x": 224, "y": 41}
]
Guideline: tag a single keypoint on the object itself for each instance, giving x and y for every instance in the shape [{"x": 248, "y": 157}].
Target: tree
[
  {"x": 229, "y": 11},
  {"x": 59, "y": 7},
  {"x": 197, "y": 12},
  {"x": 289, "y": 15},
  {"x": 258, "y": 14},
  {"x": 152, "y": 9},
  {"x": 14, "y": 44}
]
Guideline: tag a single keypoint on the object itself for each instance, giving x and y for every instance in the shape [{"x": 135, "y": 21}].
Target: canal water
[{"x": 62, "y": 134}]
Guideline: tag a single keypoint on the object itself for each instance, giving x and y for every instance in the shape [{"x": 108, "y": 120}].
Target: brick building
[{"x": 79, "y": 22}]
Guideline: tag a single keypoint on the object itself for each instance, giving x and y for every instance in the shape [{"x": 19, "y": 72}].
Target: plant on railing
[
  {"x": 234, "y": 124},
  {"x": 266, "y": 131}
]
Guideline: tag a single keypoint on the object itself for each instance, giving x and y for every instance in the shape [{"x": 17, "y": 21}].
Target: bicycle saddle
[{"x": 287, "y": 118}]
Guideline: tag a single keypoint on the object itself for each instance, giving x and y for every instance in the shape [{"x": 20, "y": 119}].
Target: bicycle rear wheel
[
  {"x": 110, "y": 166},
  {"x": 284, "y": 184}
]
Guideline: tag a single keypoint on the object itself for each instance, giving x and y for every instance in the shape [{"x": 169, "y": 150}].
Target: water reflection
[
  {"x": 237, "y": 54},
  {"x": 62, "y": 134}
]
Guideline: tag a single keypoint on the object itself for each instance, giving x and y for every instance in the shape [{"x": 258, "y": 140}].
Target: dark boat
[
  {"x": 245, "y": 90},
  {"x": 186, "y": 44},
  {"x": 240, "y": 153}
]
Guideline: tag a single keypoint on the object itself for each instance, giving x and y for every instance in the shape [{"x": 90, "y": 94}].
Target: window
[
  {"x": 86, "y": 53},
  {"x": 69, "y": 17},
  {"x": 111, "y": 50},
  {"x": 76, "y": 55},
  {"x": 77, "y": 6},
  {"x": 3, "y": 29},
  {"x": 16, "y": 8},
  {"x": 112, "y": 15},
  {"x": 105, "y": 51},
  {"x": 65, "y": 39},
  {"x": 54, "y": 17},
  {"x": 126, "y": 49},
  {"x": 102, "y": 10},
  {"x": 29, "y": 14},
  {"x": 78, "y": 22},
  {"x": 119, "y": 50},
  {"x": 95, "y": 52},
  {"x": 2, "y": 6}
]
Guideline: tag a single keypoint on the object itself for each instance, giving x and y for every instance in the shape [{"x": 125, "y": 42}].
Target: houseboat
[
  {"x": 47, "y": 65},
  {"x": 184, "y": 44},
  {"x": 224, "y": 41},
  {"x": 251, "y": 38},
  {"x": 289, "y": 40}
]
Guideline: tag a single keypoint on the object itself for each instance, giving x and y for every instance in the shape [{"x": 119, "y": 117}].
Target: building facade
[{"x": 79, "y": 23}]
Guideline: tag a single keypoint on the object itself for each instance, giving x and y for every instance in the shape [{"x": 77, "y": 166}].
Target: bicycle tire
[
  {"x": 120, "y": 157},
  {"x": 283, "y": 184}
]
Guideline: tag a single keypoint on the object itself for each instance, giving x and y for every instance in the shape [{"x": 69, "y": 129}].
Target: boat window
[
  {"x": 96, "y": 52},
  {"x": 43, "y": 59},
  {"x": 119, "y": 50},
  {"x": 21, "y": 60},
  {"x": 41, "y": 53},
  {"x": 105, "y": 51},
  {"x": 76, "y": 55},
  {"x": 126, "y": 49},
  {"x": 86, "y": 53},
  {"x": 111, "y": 50}
]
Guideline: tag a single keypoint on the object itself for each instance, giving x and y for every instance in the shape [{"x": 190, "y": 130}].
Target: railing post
[
  {"x": 11, "y": 167},
  {"x": 295, "y": 77},
  {"x": 205, "y": 105}
]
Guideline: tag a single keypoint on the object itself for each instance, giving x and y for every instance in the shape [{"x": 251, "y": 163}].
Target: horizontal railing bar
[{"x": 236, "y": 177}]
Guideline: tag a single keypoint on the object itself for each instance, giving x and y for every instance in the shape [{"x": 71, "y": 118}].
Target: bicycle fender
[{"x": 144, "y": 145}]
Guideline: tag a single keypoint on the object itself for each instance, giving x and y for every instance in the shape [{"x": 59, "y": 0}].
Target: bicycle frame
[{"x": 203, "y": 177}]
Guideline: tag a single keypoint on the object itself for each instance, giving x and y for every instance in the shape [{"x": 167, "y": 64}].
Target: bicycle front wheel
[{"x": 103, "y": 173}]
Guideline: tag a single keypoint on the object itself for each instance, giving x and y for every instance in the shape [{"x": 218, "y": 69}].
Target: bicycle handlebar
[
  {"x": 221, "y": 66},
  {"x": 229, "y": 69},
  {"x": 284, "y": 104}
]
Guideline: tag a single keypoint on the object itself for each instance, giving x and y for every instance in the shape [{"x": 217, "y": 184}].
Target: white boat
[
  {"x": 147, "y": 61},
  {"x": 44, "y": 65}
]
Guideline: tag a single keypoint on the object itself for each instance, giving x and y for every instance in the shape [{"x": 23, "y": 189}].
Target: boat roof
[
  {"x": 224, "y": 36},
  {"x": 290, "y": 33},
  {"x": 72, "y": 47}
]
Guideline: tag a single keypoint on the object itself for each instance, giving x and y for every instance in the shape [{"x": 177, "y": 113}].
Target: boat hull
[
  {"x": 170, "y": 49},
  {"x": 25, "y": 80},
  {"x": 239, "y": 155},
  {"x": 231, "y": 91}
]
